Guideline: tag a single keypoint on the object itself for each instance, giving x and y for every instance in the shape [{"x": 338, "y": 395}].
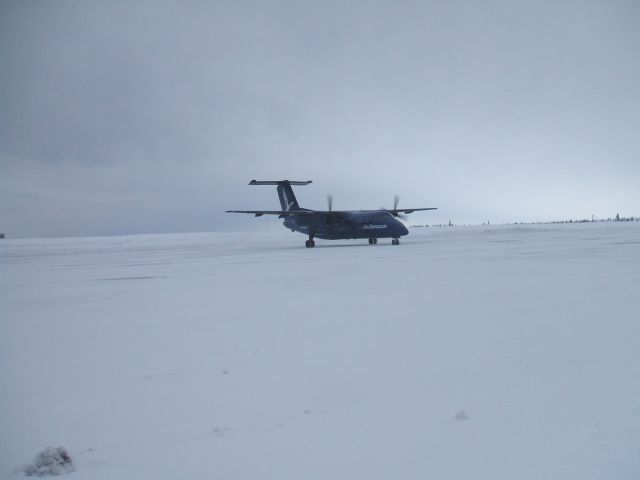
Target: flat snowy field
[{"x": 464, "y": 353}]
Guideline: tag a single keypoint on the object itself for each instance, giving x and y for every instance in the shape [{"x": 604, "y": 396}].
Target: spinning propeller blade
[{"x": 395, "y": 213}]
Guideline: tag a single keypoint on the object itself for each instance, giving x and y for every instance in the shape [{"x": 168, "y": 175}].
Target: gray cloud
[{"x": 152, "y": 116}]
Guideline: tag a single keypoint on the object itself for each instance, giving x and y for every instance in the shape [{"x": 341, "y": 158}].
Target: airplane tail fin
[{"x": 286, "y": 196}]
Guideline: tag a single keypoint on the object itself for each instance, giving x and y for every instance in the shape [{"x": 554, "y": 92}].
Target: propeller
[{"x": 396, "y": 200}]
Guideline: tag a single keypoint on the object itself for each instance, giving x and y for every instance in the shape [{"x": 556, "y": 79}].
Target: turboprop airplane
[{"x": 334, "y": 224}]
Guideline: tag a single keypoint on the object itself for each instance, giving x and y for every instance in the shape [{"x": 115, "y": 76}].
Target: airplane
[{"x": 334, "y": 224}]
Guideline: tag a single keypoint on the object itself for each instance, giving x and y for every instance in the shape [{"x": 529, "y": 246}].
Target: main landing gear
[
  {"x": 394, "y": 241},
  {"x": 310, "y": 243}
]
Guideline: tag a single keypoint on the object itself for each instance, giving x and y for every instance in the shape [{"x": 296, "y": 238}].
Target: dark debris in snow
[{"x": 49, "y": 462}]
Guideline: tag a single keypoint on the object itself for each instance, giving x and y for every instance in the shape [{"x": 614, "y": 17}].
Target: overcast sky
[{"x": 136, "y": 116}]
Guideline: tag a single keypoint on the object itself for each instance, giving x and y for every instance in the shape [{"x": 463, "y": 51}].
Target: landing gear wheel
[
  {"x": 395, "y": 241},
  {"x": 373, "y": 241},
  {"x": 309, "y": 244}
]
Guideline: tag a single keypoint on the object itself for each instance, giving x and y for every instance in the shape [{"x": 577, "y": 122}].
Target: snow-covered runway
[{"x": 466, "y": 352}]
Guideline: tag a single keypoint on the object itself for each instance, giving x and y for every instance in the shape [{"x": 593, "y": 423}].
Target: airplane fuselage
[{"x": 347, "y": 225}]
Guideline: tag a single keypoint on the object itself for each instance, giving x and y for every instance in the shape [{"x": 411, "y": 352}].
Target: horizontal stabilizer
[{"x": 278, "y": 182}]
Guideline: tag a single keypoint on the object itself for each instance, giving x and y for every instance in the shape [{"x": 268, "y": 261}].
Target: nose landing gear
[
  {"x": 395, "y": 241},
  {"x": 309, "y": 244}
]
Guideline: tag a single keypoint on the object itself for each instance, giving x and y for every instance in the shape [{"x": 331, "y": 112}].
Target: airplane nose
[{"x": 402, "y": 229}]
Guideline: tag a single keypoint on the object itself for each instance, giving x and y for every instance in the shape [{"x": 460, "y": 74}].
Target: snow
[{"x": 494, "y": 352}]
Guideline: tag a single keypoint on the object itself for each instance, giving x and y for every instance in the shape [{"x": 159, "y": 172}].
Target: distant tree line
[{"x": 617, "y": 218}]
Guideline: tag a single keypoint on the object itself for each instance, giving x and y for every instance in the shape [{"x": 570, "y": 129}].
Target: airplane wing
[
  {"x": 287, "y": 213},
  {"x": 280, "y": 213},
  {"x": 390, "y": 210},
  {"x": 408, "y": 210}
]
